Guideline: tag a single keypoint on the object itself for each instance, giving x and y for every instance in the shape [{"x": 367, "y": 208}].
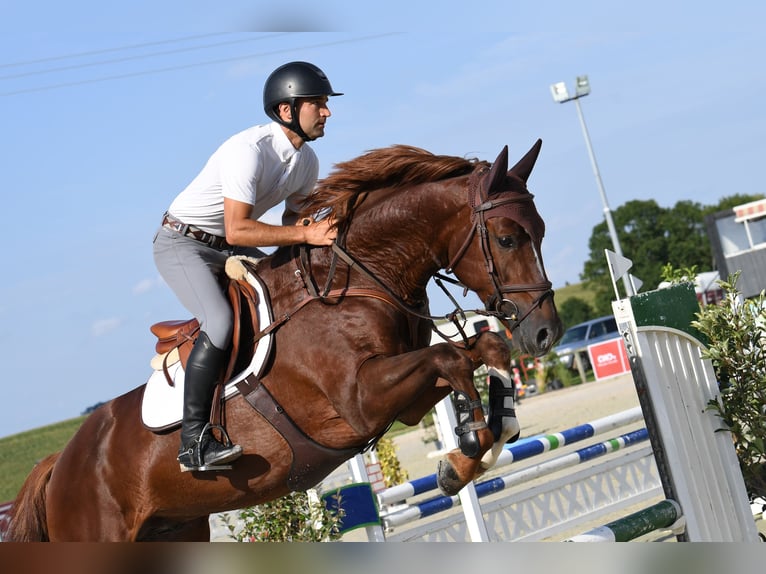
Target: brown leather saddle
[{"x": 181, "y": 334}]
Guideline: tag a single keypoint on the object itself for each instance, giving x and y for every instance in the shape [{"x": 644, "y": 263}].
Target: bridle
[{"x": 498, "y": 305}]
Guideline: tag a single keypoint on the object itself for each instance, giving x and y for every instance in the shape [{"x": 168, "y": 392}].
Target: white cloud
[
  {"x": 146, "y": 285},
  {"x": 104, "y": 326}
]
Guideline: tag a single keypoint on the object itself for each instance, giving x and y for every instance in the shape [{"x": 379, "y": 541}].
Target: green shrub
[
  {"x": 736, "y": 331},
  {"x": 389, "y": 463},
  {"x": 296, "y": 517}
]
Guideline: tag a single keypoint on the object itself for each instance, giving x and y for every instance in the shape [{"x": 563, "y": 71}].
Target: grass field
[
  {"x": 573, "y": 290},
  {"x": 20, "y": 452}
]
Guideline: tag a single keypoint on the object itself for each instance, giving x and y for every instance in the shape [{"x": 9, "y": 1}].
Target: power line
[
  {"x": 195, "y": 65},
  {"x": 139, "y": 57},
  {"x": 107, "y": 50}
]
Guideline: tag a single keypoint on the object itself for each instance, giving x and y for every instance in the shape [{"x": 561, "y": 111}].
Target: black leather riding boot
[{"x": 199, "y": 448}]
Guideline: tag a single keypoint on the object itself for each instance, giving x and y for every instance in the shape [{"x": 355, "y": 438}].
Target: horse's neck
[{"x": 397, "y": 238}]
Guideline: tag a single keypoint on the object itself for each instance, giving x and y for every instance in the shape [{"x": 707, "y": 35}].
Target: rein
[
  {"x": 454, "y": 317},
  {"x": 385, "y": 293}
]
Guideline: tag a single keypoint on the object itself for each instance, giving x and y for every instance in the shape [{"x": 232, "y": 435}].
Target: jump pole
[
  {"x": 442, "y": 503},
  {"x": 520, "y": 451},
  {"x": 665, "y": 514}
]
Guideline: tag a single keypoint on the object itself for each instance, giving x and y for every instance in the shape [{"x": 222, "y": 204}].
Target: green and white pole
[{"x": 665, "y": 514}]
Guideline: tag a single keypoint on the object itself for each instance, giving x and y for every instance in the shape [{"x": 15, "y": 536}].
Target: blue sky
[{"x": 107, "y": 112}]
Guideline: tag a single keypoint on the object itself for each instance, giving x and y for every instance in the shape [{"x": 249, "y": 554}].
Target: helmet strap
[{"x": 294, "y": 124}]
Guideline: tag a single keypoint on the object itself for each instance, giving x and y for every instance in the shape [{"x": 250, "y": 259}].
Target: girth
[{"x": 311, "y": 461}]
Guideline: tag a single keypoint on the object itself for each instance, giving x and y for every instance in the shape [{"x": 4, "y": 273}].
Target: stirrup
[{"x": 198, "y": 443}]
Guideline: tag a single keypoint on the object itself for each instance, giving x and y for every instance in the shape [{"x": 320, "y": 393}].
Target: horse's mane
[{"x": 391, "y": 167}]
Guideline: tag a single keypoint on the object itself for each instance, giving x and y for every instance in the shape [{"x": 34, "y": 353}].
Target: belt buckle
[{"x": 173, "y": 225}]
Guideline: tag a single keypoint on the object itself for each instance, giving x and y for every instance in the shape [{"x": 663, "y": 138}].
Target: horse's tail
[{"x": 28, "y": 521}]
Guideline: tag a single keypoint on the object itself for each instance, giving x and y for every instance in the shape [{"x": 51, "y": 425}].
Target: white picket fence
[{"x": 691, "y": 461}]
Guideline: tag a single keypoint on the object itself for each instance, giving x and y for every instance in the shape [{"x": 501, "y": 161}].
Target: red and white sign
[
  {"x": 609, "y": 358},
  {"x": 750, "y": 210}
]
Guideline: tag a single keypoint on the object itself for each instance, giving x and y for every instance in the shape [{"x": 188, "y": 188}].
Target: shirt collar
[{"x": 281, "y": 143}]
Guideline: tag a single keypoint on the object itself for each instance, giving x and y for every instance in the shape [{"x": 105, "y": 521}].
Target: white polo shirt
[{"x": 258, "y": 166}]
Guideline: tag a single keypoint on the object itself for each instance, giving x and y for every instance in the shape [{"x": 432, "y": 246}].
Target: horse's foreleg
[
  {"x": 501, "y": 418},
  {"x": 403, "y": 381},
  {"x": 415, "y": 412},
  {"x": 492, "y": 351}
]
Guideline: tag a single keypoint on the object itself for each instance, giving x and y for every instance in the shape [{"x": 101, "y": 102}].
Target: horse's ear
[
  {"x": 498, "y": 172},
  {"x": 525, "y": 165}
]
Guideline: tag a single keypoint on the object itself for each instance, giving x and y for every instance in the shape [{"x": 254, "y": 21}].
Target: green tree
[
  {"x": 640, "y": 230},
  {"x": 574, "y": 310},
  {"x": 296, "y": 517},
  {"x": 652, "y": 236},
  {"x": 686, "y": 237}
]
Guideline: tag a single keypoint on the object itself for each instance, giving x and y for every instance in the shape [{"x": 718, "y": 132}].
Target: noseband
[{"x": 498, "y": 305}]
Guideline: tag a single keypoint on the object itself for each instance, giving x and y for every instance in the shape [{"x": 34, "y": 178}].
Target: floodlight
[
  {"x": 582, "y": 86},
  {"x": 559, "y": 92}
]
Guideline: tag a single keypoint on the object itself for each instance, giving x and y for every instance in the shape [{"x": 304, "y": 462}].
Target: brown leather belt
[{"x": 214, "y": 241}]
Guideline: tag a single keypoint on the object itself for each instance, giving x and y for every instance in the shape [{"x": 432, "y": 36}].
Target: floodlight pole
[{"x": 561, "y": 96}]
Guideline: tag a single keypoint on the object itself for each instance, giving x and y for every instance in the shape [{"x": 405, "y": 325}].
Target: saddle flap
[
  {"x": 172, "y": 334},
  {"x": 244, "y": 303}
]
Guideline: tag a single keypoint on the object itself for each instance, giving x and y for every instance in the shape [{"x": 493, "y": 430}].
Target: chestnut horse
[{"x": 350, "y": 355}]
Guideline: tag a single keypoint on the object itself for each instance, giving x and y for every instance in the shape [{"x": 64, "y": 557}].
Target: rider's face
[{"x": 312, "y": 115}]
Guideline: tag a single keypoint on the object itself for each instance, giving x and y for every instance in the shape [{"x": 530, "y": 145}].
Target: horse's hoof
[{"x": 448, "y": 481}]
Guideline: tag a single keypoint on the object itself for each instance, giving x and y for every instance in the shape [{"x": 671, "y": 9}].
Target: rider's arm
[{"x": 246, "y": 232}]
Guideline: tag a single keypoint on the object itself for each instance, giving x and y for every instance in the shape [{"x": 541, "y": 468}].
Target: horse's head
[{"x": 501, "y": 259}]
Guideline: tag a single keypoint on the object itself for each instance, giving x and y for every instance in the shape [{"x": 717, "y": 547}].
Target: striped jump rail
[
  {"x": 519, "y": 451},
  {"x": 442, "y": 503}
]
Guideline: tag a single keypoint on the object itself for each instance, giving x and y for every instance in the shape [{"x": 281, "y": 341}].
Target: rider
[{"x": 217, "y": 215}]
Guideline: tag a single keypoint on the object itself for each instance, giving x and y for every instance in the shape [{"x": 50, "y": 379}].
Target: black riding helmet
[{"x": 291, "y": 81}]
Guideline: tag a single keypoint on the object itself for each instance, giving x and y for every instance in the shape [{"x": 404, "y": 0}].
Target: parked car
[{"x": 577, "y": 338}]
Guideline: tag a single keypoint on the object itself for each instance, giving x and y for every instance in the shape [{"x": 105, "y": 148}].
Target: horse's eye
[{"x": 507, "y": 242}]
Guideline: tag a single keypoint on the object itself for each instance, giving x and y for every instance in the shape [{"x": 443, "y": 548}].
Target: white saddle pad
[{"x": 162, "y": 405}]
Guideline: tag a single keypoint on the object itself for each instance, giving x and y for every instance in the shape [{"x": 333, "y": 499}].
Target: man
[{"x": 217, "y": 214}]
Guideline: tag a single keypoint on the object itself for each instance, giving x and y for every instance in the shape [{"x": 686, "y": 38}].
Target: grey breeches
[{"x": 195, "y": 273}]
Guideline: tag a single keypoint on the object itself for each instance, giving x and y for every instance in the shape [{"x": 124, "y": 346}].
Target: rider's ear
[{"x": 284, "y": 111}]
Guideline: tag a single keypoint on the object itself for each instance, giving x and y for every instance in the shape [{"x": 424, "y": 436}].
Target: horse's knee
[{"x": 493, "y": 350}]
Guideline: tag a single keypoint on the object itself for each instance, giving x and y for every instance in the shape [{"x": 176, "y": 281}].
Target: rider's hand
[{"x": 319, "y": 232}]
